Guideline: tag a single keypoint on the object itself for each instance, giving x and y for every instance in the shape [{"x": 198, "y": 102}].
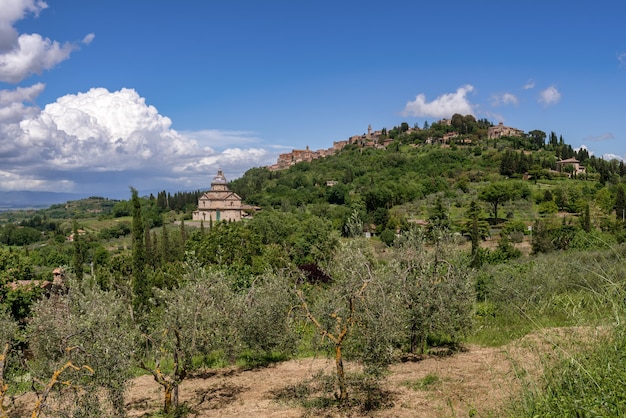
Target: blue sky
[{"x": 97, "y": 96}]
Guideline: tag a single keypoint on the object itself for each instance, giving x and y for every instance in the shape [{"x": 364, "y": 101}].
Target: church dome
[{"x": 219, "y": 179}]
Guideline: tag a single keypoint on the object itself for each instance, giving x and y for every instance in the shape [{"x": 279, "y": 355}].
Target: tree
[
  {"x": 198, "y": 318},
  {"x": 437, "y": 293},
  {"x": 473, "y": 213},
  {"x": 8, "y": 332},
  {"x": 585, "y": 219},
  {"x": 85, "y": 327},
  {"x": 264, "y": 324},
  {"x": 140, "y": 286},
  {"x": 538, "y": 138},
  {"x": 496, "y": 194},
  {"x": 356, "y": 313},
  {"x": 620, "y": 203},
  {"x": 438, "y": 215}
]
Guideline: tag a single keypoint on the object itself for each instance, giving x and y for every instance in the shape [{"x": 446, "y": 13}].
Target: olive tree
[
  {"x": 265, "y": 325},
  {"x": 8, "y": 329},
  {"x": 355, "y": 313},
  {"x": 87, "y": 336},
  {"x": 195, "y": 319},
  {"x": 438, "y": 294}
]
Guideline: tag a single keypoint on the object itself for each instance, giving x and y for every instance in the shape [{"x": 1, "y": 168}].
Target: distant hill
[{"x": 34, "y": 200}]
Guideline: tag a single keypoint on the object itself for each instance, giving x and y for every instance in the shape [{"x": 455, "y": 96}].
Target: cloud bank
[
  {"x": 443, "y": 106},
  {"x": 114, "y": 135}
]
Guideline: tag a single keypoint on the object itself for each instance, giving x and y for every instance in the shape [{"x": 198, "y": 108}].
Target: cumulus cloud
[
  {"x": 504, "y": 99},
  {"x": 609, "y": 157},
  {"x": 26, "y": 54},
  {"x": 70, "y": 141},
  {"x": 549, "y": 96},
  {"x": 530, "y": 84},
  {"x": 621, "y": 58},
  {"x": 443, "y": 106}
]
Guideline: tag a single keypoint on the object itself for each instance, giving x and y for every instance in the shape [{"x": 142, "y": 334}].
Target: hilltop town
[{"x": 381, "y": 139}]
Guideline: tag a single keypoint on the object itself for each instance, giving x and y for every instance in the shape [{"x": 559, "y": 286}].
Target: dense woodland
[{"x": 476, "y": 240}]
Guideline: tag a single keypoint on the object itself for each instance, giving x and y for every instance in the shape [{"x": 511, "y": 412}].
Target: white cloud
[
  {"x": 549, "y": 96},
  {"x": 80, "y": 137},
  {"x": 26, "y": 54},
  {"x": 443, "y": 106},
  {"x": 88, "y": 38},
  {"x": 609, "y": 157},
  {"x": 621, "y": 57},
  {"x": 504, "y": 99},
  {"x": 12, "y": 106},
  {"x": 530, "y": 84}
]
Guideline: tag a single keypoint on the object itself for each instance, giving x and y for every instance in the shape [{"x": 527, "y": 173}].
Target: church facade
[{"x": 220, "y": 203}]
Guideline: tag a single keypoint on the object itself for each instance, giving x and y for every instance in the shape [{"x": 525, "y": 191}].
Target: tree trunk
[
  {"x": 414, "y": 338},
  {"x": 175, "y": 397},
  {"x": 341, "y": 377},
  {"x": 167, "y": 405}
]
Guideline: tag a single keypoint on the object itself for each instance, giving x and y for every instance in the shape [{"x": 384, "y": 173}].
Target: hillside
[{"x": 373, "y": 256}]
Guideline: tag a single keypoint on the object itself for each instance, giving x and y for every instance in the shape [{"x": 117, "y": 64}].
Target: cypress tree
[
  {"x": 79, "y": 252},
  {"x": 165, "y": 246},
  {"x": 183, "y": 232},
  {"x": 620, "y": 203},
  {"x": 585, "y": 220},
  {"x": 140, "y": 284},
  {"x": 473, "y": 213}
]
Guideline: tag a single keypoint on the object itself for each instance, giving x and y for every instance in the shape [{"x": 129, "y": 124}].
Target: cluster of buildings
[
  {"x": 374, "y": 139},
  {"x": 494, "y": 132}
]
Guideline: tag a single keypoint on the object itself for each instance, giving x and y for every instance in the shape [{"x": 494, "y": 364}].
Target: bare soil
[{"x": 477, "y": 381}]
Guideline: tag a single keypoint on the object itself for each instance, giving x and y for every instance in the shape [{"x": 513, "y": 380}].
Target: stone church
[{"x": 220, "y": 203}]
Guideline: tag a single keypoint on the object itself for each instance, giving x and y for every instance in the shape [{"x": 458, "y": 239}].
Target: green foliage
[
  {"x": 428, "y": 382},
  {"x": 91, "y": 328},
  {"x": 231, "y": 245},
  {"x": 437, "y": 292},
  {"x": 14, "y": 265},
  {"x": 498, "y": 193},
  {"x": 140, "y": 285},
  {"x": 585, "y": 382},
  {"x": 584, "y": 378},
  {"x": 12, "y": 235},
  {"x": 265, "y": 324},
  {"x": 505, "y": 251}
]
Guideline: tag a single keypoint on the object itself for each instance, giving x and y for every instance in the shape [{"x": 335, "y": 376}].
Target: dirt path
[{"x": 474, "y": 382}]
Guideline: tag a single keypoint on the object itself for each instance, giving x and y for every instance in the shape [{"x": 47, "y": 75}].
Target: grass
[
  {"x": 317, "y": 395},
  {"x": 428, "y": 382},
  {"x": 587, "y": 383},
  {"x": 583, "y": 376}
]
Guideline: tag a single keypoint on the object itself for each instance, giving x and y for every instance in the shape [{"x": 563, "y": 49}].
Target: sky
[{"x": 100, "y": 96}]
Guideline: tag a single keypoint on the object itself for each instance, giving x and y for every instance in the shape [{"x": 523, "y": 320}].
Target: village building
[
  {"x": 576, "y": 168},
  {"x": 500, "y": 130},
  {"x": 220, "y": 203}
]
